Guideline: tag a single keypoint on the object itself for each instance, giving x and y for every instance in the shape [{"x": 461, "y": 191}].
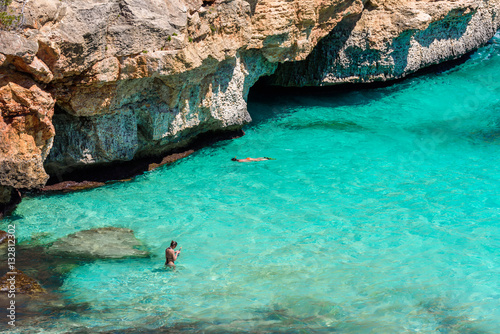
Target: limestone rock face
[
  {"x": 99, "y": 243},
  {"x": 26, "y": 131},
  {"x": 391, "y": 39},
  {"x": 137, "y": 78}
]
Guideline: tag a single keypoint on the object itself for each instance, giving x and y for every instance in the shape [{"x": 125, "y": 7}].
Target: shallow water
[{"x": 380, "y": 214}]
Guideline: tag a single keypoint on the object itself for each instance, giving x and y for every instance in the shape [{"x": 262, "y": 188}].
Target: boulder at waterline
[
  {"x": 4, "y": 244},
  {"x": 68, "y": 186},
  {"x": 21, "y": 282},
  {"x": 4, "y": 237}
]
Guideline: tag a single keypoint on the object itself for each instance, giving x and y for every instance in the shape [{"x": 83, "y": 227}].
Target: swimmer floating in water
[
  {"x": 171, "y": 255},
  {"x": 251, "y": 159}
]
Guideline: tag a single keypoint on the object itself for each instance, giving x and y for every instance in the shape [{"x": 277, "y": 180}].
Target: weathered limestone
[
  {"x": 391, "y": 39},
  {"x": 137, "y": 78},
  {"x": 26, "y": 131}
]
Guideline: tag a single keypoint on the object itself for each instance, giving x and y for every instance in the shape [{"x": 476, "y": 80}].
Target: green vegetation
[
  {"x": 144, "y": 51},
  {"x": 7, "y": 20},
  {"x": 169, "y": 38},
  {"x": 174, "y": 34},
  {"x": 190, "y": 39}
]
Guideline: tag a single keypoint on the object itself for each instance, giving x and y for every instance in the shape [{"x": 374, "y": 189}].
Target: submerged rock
[
  {"x": 4, "y": 244},
  {"x": 170, "y": 159},
  {"x": 68, "y": 186},
  {"x": 20, "y": 282},
  {"x": 99, "y": 243},
  {"x": 3, "y": 237}
]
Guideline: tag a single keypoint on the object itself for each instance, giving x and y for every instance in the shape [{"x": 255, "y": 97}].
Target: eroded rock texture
[
  {"x": 18, "y": 282},
  {"x": 138, "y": 78},
  {"x": 391, "y": 39},
  {"x": 26, "y": 131}
]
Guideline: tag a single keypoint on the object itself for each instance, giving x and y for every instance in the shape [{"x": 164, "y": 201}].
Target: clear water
[{"x": 380, "y": 214}]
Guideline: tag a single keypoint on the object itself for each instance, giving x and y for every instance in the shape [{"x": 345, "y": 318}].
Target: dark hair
[
  {"x": 173, "y": 244},
  {"x": 234, "y": 159}
]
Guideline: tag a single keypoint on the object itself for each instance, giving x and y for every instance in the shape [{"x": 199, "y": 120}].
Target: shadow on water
[
  {"x": 168, "y": 269},
  {"x": 276, "y": 104},
  {"x": 328, "y": 125},
  {"x": 490, "y": 135},
  {"x": 271, "y": 102}
]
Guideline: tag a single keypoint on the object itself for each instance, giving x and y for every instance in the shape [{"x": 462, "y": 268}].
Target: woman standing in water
[{"x": 171, "y": 255}]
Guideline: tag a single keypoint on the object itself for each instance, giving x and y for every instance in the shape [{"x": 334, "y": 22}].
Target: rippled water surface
[{"x": 380, "y": 214}]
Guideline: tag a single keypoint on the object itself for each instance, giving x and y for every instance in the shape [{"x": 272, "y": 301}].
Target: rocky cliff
[
  {"x": 88, "y": 83},
  {"x": 390, "y": 39}
]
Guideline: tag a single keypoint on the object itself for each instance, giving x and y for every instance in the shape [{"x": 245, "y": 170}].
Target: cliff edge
[{"x": 88, "y": 83}]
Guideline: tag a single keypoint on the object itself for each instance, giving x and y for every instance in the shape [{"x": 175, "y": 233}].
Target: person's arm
[{"x": 176, "y": 253}]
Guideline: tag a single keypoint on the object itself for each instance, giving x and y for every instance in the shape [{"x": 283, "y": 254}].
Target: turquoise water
[{"x": 380, "y": 214}]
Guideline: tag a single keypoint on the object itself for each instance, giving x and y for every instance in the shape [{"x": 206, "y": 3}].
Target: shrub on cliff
[{"x": 8, "y": 20}]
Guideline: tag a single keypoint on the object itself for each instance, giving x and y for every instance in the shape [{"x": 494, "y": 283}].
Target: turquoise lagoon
[{"x": 380, "y": 214}]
